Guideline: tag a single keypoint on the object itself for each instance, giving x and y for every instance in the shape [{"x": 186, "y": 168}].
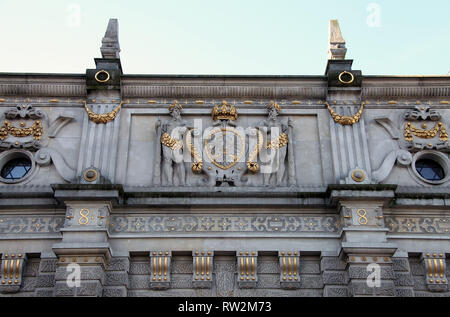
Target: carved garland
[
  {"x": 170, "y": 142},
  {"x": 281, "y": 141},
  {"x": 251, "y": 163},
  {"x": 35, "y": 130},
  {"x": 102, "y": 118},
  {"x": 411, "y": 130},
  {"x": 346, "y": 120}
]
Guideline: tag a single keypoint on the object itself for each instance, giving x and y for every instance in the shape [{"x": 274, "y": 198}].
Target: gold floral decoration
[
  {"x": 7, "y": 129},
  {"x": 345, "y": 120},
  {"x": 102, "y": 118},
  {"x": 251, "y": 163},
  {"x": 279, "y": 142},
  {"x": 170, "y": 142},
  {"x": 198, "y": 163},
  {"x": 411, "y": 130}
]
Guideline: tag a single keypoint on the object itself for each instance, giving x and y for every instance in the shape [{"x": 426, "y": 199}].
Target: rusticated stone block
[
  {"x": 118, "y": 264},
  {"x": 404, "y": 292},
  {"x": 48, "y": 265},
  {"x": 361, "y": 272},
  {"x": 28, "y": 284},
  {"x": 139, "y": 282},
  {"x": 332, "y": 263},
  {"x": 311, "y": 281},
  {"x": 90, "y": 288},
  {"x": 268, "y": 281},
  {"x": 118, "y": 291},
  {"x": 45, "y": 280},
  {"x": 87, "y": 273},
  {"x": 224, "y": 283},
  {"x": 417, "y": 268},
  {"x": 358, "y": 287},
  {"x": 140, "y": 268},
  {"x": 335, "y": 291},
  {"x": 31, "y": 268},
  {"x": 419, "y": 283},
  {"x": 403, "y": 279},
  {"x": 43, "y": 292},
  {"x": 268, "y": 267},
  {"x": 400, "y": 264},
  {"x": 116, "y": 279},
  {"x": 181, "y": 281},
  {"x": 224, "y": 266},
  {"x": 309, "y": 267},
  {"x": 182, "y": 267},
  {"x": 335, "y": 278},
  {"x": 62, "y": 289}
]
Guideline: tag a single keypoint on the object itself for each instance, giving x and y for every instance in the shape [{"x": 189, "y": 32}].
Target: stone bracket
[
  {"x": 435, "y": 277},
  {"x": 12, "y": 268},
  {"x": 289, "y": 269},
  {"x": 202, "y": 269},
  {"x": 160, "y": 268},
  {"x": 247, "y": 269}
]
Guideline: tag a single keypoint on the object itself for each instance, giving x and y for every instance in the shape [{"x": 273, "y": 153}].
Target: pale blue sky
[{"x": 242, "y": 37}]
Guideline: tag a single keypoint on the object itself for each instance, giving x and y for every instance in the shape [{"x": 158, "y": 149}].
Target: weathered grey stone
[
  {"x": 45, "y": 280},
  {"x": 268, "y": 281},
  {"x": 419, "y": 283},
  {"x": 222, "y": 266},
  {"x": 90, "y": 288},
  {"x": 28, "y": 284},
  {"x": 181, "y": 281},
  {"x": 335, "y": 291},
  {"x": 311, "y": 281},
  {"x": 62, "y": 289},
  {"x": 268, "y": 267},
  {"x": 225, "y": 282},
  {"x": 431, "y": 294},
  {"x": 335, "y": 278},
  {"x": 417, "y": 268},
  {"x": 119, "y": 291},
  {"x": 360, "y": 287},
  {"x": 404, "y": 292},
  {"x": 140, "y": 268},
  {"x": 163, "y": 293},
  {"x": 204, "y": 292},
  {"x": 87, "y": 273},
  {"x": 139, "y": 282},
  {"x": 331, "y": 263},
  {"x": 403, "y": 279},
  {"x": 31, "y": 267},
  {"x": 361, "y": 272},
  {"x": 400, "y": 264},
  {"x": 118, "y": 264},
  {"x": 48, "y": 265},
  {"x": 116, "y": 279},
  {"x": 182, "y": 267},
  {"x": 309, "y": 267},
  {"x": 43, "y": 292}
]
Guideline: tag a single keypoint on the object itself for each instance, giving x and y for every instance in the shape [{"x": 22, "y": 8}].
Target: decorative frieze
[
  {"x": 12, "y": 268},
  {"x": 247, "y": 269},
  {"x": 203, "y": 269},
  {"x": 289, "y": 269},
  {"x": 87, "y": 216},
  {"x": 372, "y": 216},
  {"x": 423, "y": 225},
  {"x": 160, "y": 268},
  {"x": 435, "y": 271},
  {"x": 226, "y": 223},
  {"x": 30, "y": 224}
]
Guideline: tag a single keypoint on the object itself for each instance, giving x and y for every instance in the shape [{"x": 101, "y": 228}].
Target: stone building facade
[{"x": 164, "y": 185}]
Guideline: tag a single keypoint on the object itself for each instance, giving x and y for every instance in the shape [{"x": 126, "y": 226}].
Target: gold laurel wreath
[{"x": 102, "y": 118}]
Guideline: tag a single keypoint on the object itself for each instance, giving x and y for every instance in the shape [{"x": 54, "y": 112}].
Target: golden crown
[
  {"x": 224, "y": 111},
  {"x": 274, "y": 104},
  {"x": 175, "y": 104}
]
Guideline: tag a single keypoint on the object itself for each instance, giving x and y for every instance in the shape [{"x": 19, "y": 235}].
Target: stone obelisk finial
[
  {"x": 336, "y": 48},
  {"x": 110, "y": 43}
]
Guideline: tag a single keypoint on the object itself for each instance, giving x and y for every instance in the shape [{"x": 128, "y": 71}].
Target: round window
[
  {"x": 16, "y": 169},
  {"x": 431, "y": 167},
  {"x": 16, "y": 166},
  {"x": 430, "y": 170}
]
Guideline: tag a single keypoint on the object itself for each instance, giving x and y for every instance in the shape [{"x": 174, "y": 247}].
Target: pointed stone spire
[
  {"x": 336, "y": 46},
  {"x": 110, "y": 43}
]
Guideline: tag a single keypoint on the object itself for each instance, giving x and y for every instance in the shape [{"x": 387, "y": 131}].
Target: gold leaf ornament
[
  {"x": 346, "y": 120},
  {"x": 102, "y": 118}
]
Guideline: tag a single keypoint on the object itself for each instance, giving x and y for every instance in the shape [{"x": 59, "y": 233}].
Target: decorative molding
[
  {"x": 160, "y": 268},
  {"x": 417, "y": 225},
  {"x": 30, "y": 224},
  {"x": 203, "y": 269},
  {"x": 247, "y": 264},
  {"x": 289, "y": 269},
  {"x": 226, "y": 223},
  {"x": 12, "y": 268},
  {"x": 435, "y": 271}
]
